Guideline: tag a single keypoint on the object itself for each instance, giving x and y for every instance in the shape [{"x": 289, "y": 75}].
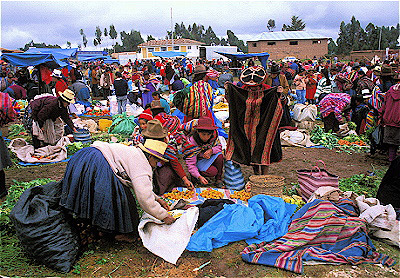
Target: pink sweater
[{"x": 191, "y": 162}]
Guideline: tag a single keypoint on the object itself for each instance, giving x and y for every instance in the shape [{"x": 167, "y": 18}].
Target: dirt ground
[{"x": 115, "y": 259}]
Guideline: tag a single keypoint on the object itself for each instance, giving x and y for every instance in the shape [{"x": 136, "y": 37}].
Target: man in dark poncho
[{"x": 255, "y": 112}]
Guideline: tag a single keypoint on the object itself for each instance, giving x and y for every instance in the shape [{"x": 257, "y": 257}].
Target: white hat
[{"x": 57, "y": 73}]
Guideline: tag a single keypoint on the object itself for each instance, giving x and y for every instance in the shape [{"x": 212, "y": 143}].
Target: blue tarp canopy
[
  {"x": 110, "y": 61},
  {"x": 33, "y": 59},
  {"x": 58, "y": 53},
  {"x": 263, "y": 57},
  {"x": 168, "y": 54},
  {"x": 93, "y": 58}
]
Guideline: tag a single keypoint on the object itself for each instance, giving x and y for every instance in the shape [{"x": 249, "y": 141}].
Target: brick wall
[{"x": 305, "y": 49}]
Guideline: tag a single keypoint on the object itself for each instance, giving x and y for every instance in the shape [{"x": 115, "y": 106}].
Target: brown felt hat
[
  {"x": 155, "y": 130},
  {"x": 156, "y": 104},
  {"x": 206, "y": 123},
  {"x": 199, "y": 69}
]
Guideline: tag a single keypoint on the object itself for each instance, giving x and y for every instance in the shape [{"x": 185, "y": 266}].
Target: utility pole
[
  {"x": 380, "y": 38},
  {"x": 172, "y": 33}
]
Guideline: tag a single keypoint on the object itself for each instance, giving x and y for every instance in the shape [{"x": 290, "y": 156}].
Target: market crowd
[{"x": 178, "y": 128}]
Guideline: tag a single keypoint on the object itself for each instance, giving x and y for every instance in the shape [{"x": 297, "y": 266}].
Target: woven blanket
[{"x": 320, "y": 231}]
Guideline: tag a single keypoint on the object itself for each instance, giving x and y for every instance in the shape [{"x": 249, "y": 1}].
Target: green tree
[
  {"x": 297, "y": 25},
  {"x": 38, "y": 45},
  {"x": 233, "y": 40},
  {"x": 95, "y": 43},
  {"x": 130, "y": 41},
  {"x": 210, "y": 37},
  {"x": 68, "y": 44},
  {"x": 105, "y": 32},
  {"x": 150, "y": 38},
  {"x": 84, "y": 39},
  {"x": 332, "y": 47},
  {"x": 223, "y": 42},
  {"x": 343, "y": 40},
  {"x": 113, "y": 33},
  {"x": 271, "y": 25},
  {"x": 98, "y": 35}
]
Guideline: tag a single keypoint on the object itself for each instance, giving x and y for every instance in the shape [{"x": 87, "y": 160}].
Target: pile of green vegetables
[
  {"x": 331, "y": 141},
  {"x": 363, "y": 184},
  {"x": 76, "y": 146},
  {"x": 16, "y": 130},
  {"x": 326, "y": 139},
  {"x": 14, "y": 192}
]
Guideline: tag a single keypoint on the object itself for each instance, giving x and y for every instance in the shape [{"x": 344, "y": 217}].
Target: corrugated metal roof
[{"x": 287, "y": 35}]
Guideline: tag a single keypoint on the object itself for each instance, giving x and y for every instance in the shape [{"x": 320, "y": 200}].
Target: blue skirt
[{"x": 91, "y": 191}]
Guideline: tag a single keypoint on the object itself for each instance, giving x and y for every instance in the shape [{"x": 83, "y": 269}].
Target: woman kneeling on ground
[
  {"x": 203, "y": 153},
  {"x": 98, "y": 181}
]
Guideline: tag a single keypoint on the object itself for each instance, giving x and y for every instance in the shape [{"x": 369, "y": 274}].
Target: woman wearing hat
[
  {"x": 203, "y": 153},
  {"x": 47, "y": 126},
  {"x": 171, "y": 174},
  {"x": 61, "y": 85},
  {"x": 97, "y": 186}
]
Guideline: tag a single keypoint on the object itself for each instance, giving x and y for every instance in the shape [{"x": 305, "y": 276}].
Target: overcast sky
[{"x": 56, "y": 22}]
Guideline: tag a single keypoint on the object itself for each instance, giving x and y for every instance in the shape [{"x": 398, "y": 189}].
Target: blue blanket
[{"x": 265, "y": 219}]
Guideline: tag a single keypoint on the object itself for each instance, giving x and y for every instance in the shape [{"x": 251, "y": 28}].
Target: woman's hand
[
  {"x": 203, "y": 180},
  {"x": 163, "y": 204},
  {"x": 188, "y": 183},
  {"x": 169, "y": 220},
  {"x": 207, "y": 154}
]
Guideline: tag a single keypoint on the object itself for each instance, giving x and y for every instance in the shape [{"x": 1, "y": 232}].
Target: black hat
[{"x": 274, "y": 69}]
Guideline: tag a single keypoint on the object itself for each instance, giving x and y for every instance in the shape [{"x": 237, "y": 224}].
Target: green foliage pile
[
  {"x": 363, "y": 184},
  {"x": 14, "y": 192},
  {"x": 76, "y": 146}
]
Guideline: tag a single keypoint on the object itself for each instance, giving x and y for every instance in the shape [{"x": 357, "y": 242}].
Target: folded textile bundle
[{"x": 320, "y": 231}]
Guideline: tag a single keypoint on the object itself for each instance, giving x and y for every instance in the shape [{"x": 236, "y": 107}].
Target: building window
[
  {"x": 150, "y": 49},
  {"x": 189, "y": 47},
  {"x": 163, "y": 48},
  {"x": 176, "y": 47},
  {"x": 293, "y": 43},
  {"x": 315, "y": 42},
  {"x": 254, "y": 44},
  {"x": 271, "y": 43}
]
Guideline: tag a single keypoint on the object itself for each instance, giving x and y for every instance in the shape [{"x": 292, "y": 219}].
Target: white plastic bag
[{"x": 302, "y": 112}]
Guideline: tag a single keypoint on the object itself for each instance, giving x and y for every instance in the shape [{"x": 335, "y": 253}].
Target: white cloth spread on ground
[
  {"x": 298, "y": 138},
  {"x": 27, "y": 153},
  {"x": 168, "y": 241},
  {"x": 52, "y": 131}
]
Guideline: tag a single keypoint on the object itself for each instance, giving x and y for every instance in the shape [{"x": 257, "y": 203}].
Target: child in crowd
[{"x": 203, "y": 153}]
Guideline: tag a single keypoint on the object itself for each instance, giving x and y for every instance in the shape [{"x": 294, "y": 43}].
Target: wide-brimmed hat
[
  {"x": 68, "y": 96},
  {"x": 274, "y": 69},
  {"x": 199, "y": 69},
  {"x": 206, "y": 123},
  {"x": 155, "y": 148},
  {"x": 155, "y": 130},
  {"x": 56, "y": 73},
  {"x": 156, "y": 104}
]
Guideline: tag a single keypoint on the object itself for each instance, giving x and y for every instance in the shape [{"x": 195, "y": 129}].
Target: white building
[{"x": 191, "y": 47}]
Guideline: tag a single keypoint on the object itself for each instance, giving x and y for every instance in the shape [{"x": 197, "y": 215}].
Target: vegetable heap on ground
[{"x": 348, "y": 144}]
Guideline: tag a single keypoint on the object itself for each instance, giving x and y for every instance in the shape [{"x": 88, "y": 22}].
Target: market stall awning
[
  {"x": 94, "y": 58},
  {"x": 110, "y": 61},
  {"x": 169, "y": 54},
  {"x": 58, "y": 53},
  {"x": 263, "y": 57},
  {"x": 32, "y": 59}
]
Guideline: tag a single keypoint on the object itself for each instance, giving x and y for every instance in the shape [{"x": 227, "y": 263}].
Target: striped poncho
[{"x": 320, "y": 231}]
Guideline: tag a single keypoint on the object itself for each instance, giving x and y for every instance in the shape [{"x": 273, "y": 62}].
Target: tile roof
[
  {"x": 169, "y": 42},
  {"x": 287, "y": 35}
]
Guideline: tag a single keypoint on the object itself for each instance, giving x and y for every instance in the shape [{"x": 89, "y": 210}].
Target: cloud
[{"x": 56, "y": 22}]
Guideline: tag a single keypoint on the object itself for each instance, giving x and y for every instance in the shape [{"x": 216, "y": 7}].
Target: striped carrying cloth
[{"x": 320, "y": 231}]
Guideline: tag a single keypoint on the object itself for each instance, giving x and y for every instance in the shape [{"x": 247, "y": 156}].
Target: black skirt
[
  {"x": 5, "y": 160},
  {"x": 91, "y": 191}
]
